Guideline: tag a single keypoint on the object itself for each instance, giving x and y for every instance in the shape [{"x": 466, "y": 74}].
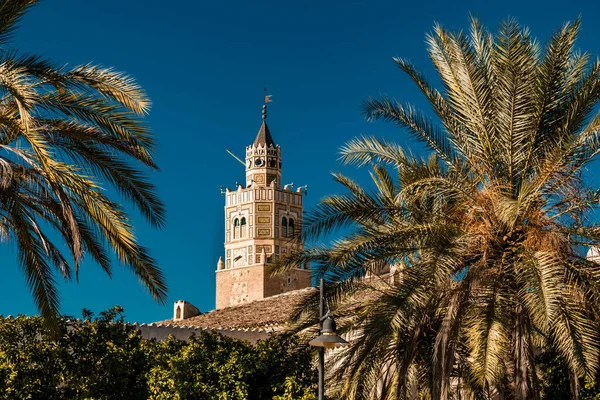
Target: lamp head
[
  {"x": 328, "y": 325},
  {"x": 328, "y": 338}
]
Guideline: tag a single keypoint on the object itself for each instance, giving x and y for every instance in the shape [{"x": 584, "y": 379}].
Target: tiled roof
[
  {"x": 264, "y": 136},
  {"x": 271, "y": 312}
]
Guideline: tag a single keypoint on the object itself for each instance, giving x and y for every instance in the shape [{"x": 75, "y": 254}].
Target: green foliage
[
  {"x": 90, "y": 359},
  {"x": 104, "y": 358},
  {"x": 555, "y": 384},
  {"x": 293, "y": 390},
  {"x": 216, "y": 367},
  {"x": 555, "y": 375},
  {"x": 590, "y": 389}
]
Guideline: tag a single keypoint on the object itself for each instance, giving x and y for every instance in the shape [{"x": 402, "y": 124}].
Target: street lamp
[{"x": 327, "y": 339}]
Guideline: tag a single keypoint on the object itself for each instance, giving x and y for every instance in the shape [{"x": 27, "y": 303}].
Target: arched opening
[
  {"x": 236, "y": 228},
  {"x": 243, "y": 228},
  {"x": 291, "y": 228},
  {"x": 284, "y": 227},
  {"x": 178, "y": 313}
]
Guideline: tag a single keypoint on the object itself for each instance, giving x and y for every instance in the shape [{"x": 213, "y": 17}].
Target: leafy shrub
[{"x": 104, "y": 358}]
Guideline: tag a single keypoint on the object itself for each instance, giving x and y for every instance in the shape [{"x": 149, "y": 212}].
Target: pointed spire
[{"x": 264, "y": 136}]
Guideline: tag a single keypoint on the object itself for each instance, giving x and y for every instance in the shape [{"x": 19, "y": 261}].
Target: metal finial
[{"x": 267, "y": 99}]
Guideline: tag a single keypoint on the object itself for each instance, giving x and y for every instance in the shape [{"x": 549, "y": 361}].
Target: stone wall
[
  {"x": 287, "y": 282},
  {"x": 239, "y": 285}
]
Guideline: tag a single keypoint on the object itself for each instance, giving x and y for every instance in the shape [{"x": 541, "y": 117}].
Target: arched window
[
  {"x": 284, "y": 227},
  {"x": 178, "y": 313},
  {"x": 292, "y": 227},
  {"x": 243, "y": 228},
  {"x": 236, "y": 228}
]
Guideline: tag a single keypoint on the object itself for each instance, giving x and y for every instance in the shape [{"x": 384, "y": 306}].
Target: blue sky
[{"x": 204, "y": 64}]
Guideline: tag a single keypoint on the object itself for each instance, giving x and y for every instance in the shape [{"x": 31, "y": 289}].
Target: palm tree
[
  {"x": 490, "y": 232},
  {"x": 63, "y": 133}
]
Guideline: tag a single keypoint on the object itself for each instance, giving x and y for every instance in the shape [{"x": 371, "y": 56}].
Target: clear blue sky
[{"x": 204, "y": 64}]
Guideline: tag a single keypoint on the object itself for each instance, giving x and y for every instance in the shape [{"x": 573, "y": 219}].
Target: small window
[
  {"x": 178, "y": 313},
  {"x": 289, "y": 280},
  {"x": 291, "y": 228},
  {"x": 284, "y": 227},
  {"x": 236, "y": 228},
  {"x": 243, "y": 228}
]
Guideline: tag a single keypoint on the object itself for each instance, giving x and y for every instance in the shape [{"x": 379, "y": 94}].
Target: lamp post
[{"x": 327, "y": 338}]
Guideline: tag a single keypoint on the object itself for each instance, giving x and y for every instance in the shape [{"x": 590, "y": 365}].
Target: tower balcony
[{"x": 263, "y": 193}]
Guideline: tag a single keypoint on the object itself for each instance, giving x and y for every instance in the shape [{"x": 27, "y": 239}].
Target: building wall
[
  {"x": 239, "y": 285},
  {"x": 246, "y": 284},
  {"x": 286, "y": 282},
  {"x": 162, "y": 332}
]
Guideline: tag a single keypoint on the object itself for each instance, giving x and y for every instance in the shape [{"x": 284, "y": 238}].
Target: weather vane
[
  {"x": 267, "y": 97},
  {"x": 267, "y": 100}
]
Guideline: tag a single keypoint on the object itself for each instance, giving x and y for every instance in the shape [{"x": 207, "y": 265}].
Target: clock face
[
  {"x": 239, "y": 257},
  {"x": 259, "y": 162}
]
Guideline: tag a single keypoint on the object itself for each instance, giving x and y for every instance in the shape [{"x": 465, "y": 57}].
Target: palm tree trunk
[
  {"x": 574, "y": 384},
  {"x": 523, "y": 363},
  {"x": 443, "y": 358}
]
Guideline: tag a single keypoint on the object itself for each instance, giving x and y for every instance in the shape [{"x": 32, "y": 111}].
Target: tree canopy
[
  {"x": 488, "y": 234},
  {"x": 65, "y": 134},
  {"x": 104, "y": 358}
]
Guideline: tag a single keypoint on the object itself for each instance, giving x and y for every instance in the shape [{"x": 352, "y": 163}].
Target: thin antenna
[{"x": 236, "y": 157}]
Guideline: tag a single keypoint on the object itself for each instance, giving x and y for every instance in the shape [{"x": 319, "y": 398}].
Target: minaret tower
[{"x": 262, "y": 223}]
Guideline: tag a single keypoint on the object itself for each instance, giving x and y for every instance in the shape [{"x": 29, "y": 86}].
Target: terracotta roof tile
[{"x": 271, "y": 312}]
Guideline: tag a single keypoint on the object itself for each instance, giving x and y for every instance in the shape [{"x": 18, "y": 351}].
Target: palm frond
[{"x": 11, "y": 11}]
